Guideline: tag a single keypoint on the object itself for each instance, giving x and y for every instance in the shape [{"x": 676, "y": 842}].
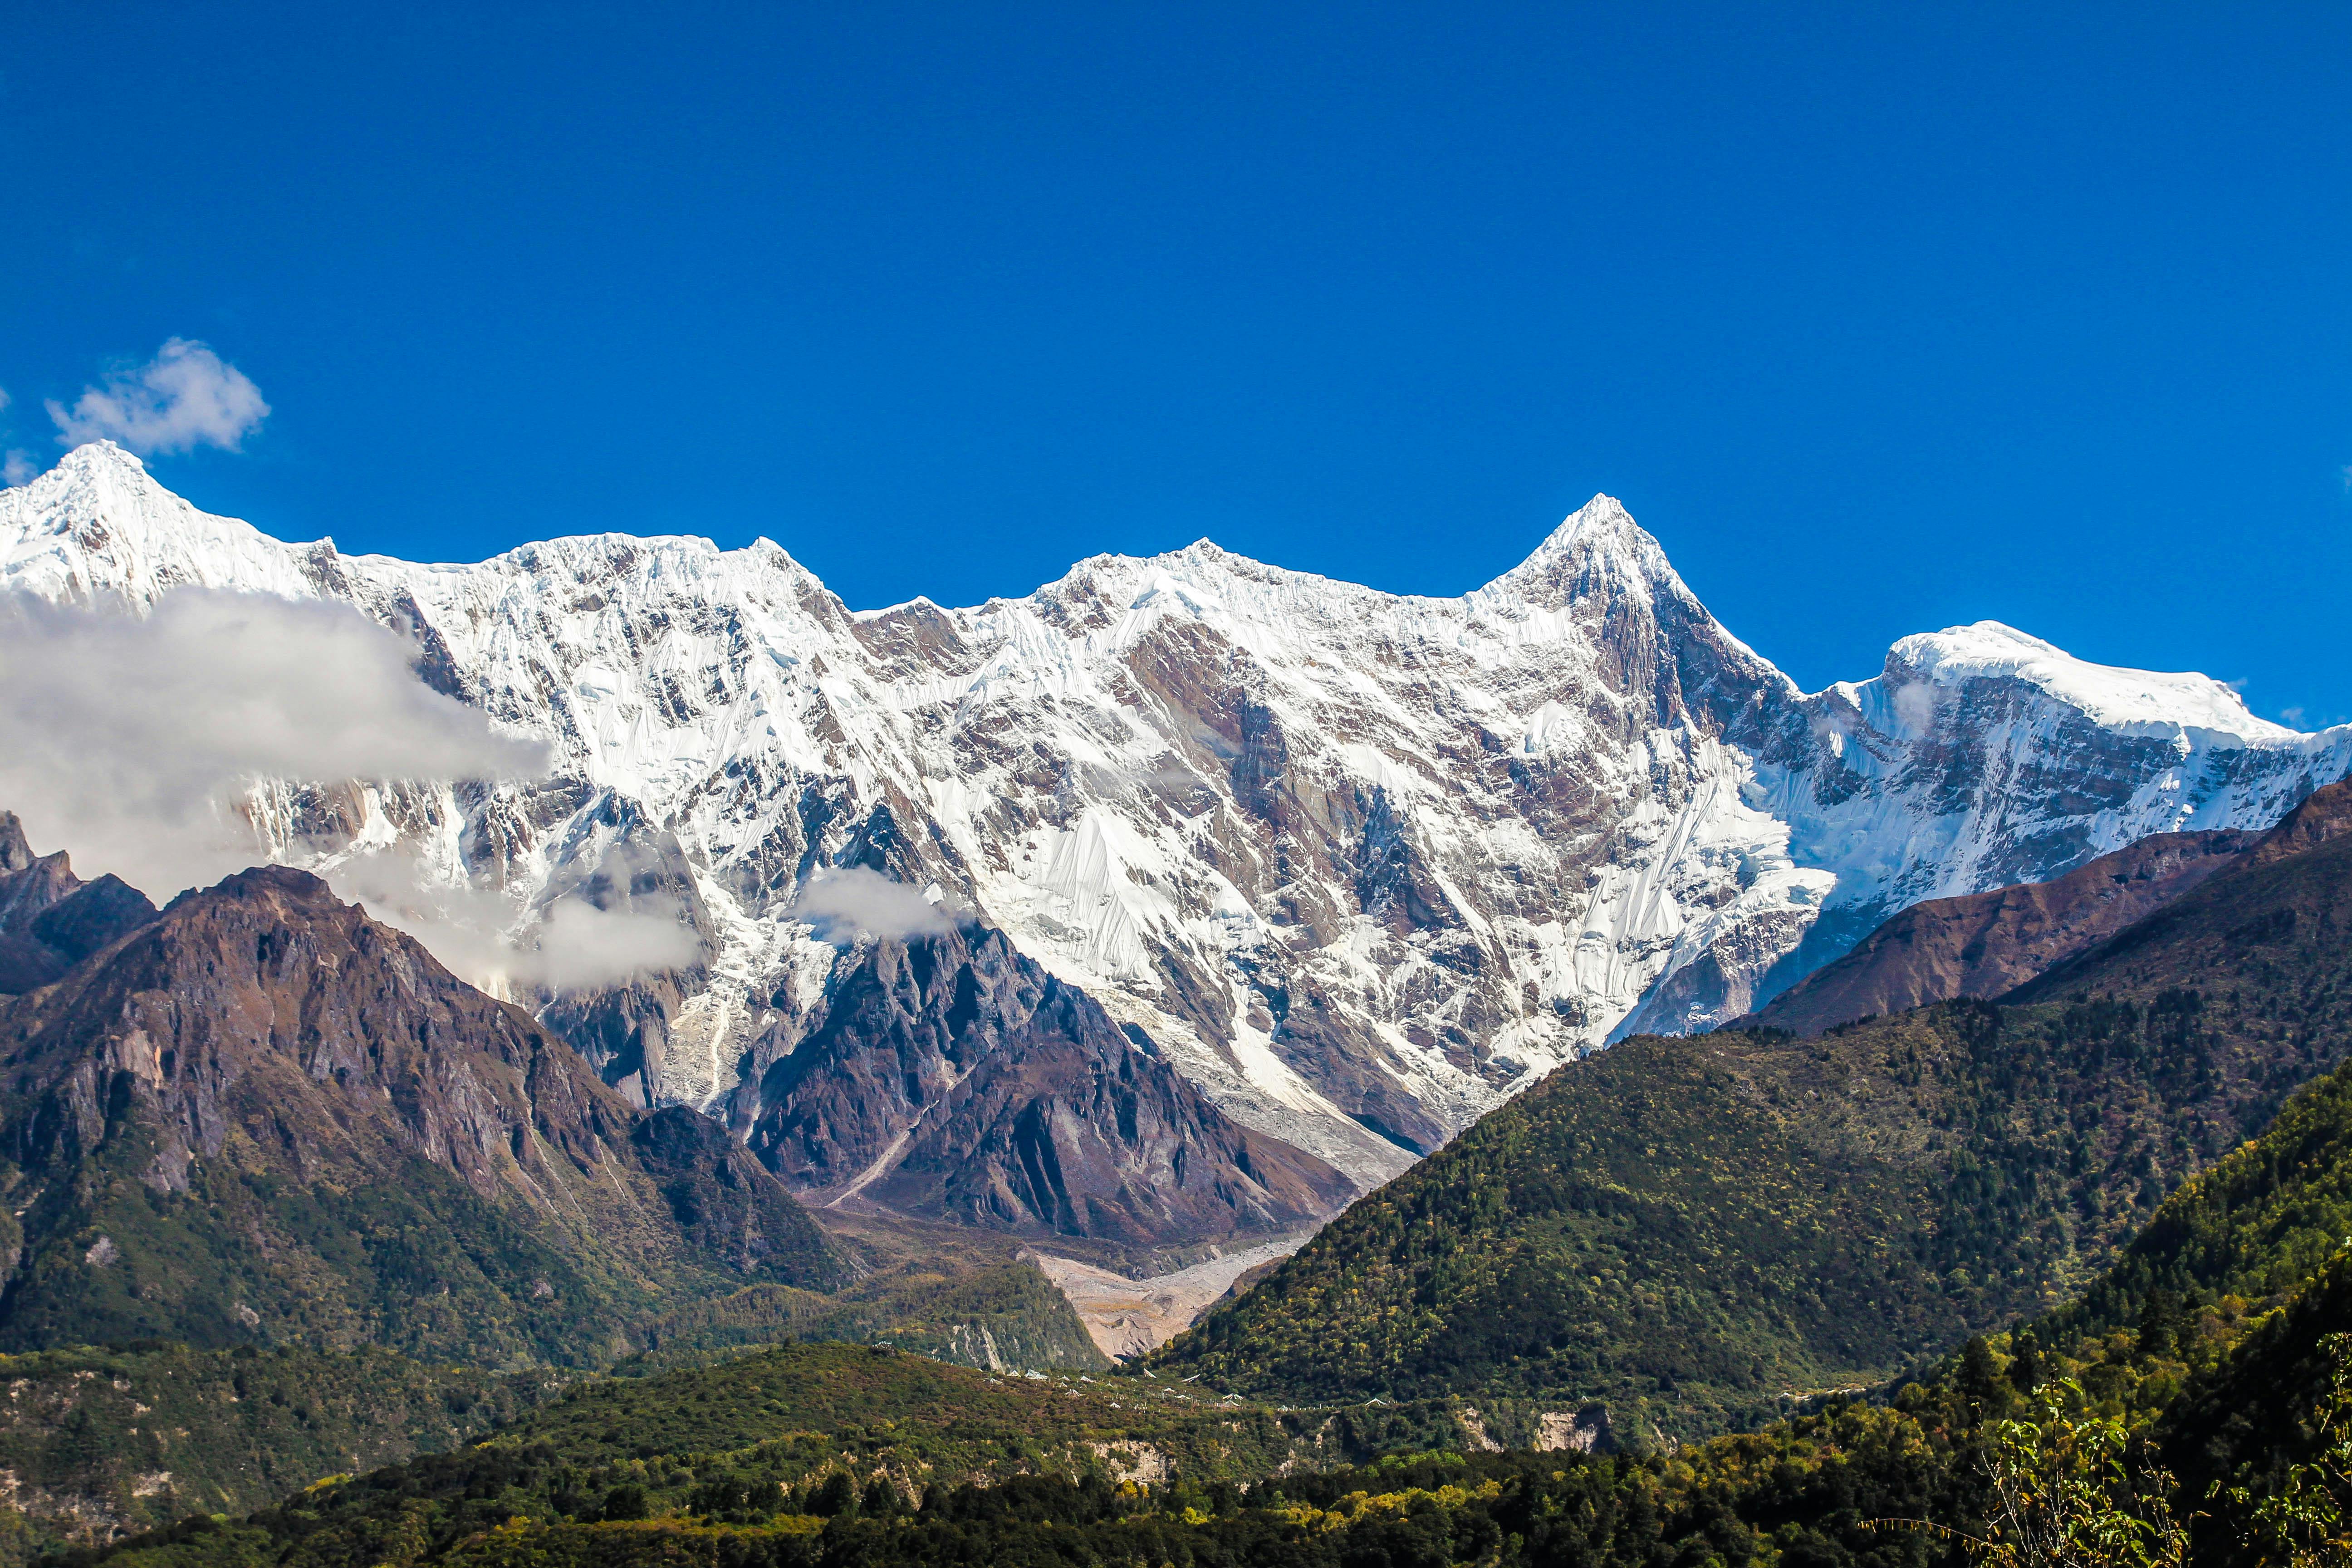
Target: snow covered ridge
[{"x": 1360, "y": 865}]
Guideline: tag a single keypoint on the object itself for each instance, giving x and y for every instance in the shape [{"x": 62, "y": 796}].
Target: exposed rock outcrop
[
  {"x": 948, "y": 1077},
  {"x": 51, "y": 919},
  {"x": 1987, "y": 945}
]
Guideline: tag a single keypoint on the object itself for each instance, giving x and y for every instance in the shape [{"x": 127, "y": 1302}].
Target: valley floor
[{"x": 1127, "y": 1317}]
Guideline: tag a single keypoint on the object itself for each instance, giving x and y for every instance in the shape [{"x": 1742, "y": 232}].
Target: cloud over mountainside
[
  {"x": 850, "y": 901},
  {"x": 131, "y": 738},
  {"x": 483, "y": 935},
  {"x": 186, "y": 397},
  {"x": 135, "y": 743}
]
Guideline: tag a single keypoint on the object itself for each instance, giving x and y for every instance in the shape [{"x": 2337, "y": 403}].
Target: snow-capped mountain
[{"x": 1360, "y": 865}]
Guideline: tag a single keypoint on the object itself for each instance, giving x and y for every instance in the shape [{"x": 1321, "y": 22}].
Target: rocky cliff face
[
  {"x": 948, "y": 1077},
  {"x": 51, "y": 919},
  {"x": 1359, "y": 865},
  {"x": 2269, "y": 928},
  {"x": 1987, "y": 945},
  {"x": 264, "y": 1117}
]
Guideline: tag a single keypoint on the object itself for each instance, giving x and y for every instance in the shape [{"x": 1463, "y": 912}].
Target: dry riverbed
[{"x": 1126, "y": 1317}]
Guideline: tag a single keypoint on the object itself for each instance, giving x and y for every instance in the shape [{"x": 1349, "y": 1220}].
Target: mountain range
[{"x": 1356, "y": 867}]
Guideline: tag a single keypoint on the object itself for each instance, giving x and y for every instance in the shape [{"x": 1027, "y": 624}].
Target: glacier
[{"x": 1360, "y": 865}]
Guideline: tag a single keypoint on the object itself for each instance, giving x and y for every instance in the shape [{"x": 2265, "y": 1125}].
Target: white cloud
[
  {"x": 484, "y": 938},
  {"x": 186, "y": 397},
  {"x": 129, "y": 740},
  {"x": 578, "y": 944},
  {"x": 134, "y": 743},
  {"x": 18, "y": 466},
  {"x": 1914, "y": 705},
  {"x": 851, "y": 901}
]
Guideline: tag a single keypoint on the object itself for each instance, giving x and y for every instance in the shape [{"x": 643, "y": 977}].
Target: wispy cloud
[
  {"x": 186, "y": 397},
  {"x": 850, "y": 901},
  {"x": 18, "y": 466},
  {"x": 484, "y": 937},
  {"x": 132, "y": 740},
  {"x": 1914, "y": 705}
]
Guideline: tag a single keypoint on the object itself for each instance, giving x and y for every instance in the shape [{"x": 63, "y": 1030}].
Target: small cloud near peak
[
  {"x": 17, "y": 466},
  {"x": 846, "y": 902},
  {"x": 186, "y": 397}
]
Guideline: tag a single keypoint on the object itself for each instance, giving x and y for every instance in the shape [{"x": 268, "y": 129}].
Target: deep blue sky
[{"x": 1881, "y": 317}]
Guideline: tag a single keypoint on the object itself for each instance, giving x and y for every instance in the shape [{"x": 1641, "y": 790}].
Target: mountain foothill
[{"x": 1698, "y": 1113}]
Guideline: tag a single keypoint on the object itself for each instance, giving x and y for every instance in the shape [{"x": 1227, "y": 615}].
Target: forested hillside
[
  {"x": 1004, "y": 1316},
  {"x": 1693, "y": 1228},
  {"x": 98, "y": 1441}
]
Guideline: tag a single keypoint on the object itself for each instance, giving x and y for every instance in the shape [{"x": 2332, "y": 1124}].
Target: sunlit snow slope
[{"x": 1360, "y": 865}]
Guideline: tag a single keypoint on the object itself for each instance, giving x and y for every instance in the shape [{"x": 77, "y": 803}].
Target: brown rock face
[
  {"x": 2279, "y": 912},
  {"x": 951, "y": 1077},
  {"x": 1987, "y": 945},
  {"x": 2324, "y": 815},
  {"x": 264, "y": 1117},
  {"x": 51, "y": 919}
]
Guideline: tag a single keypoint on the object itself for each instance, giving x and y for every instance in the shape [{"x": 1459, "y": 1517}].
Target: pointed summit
[
  {"x": 93, "y": 457},
  {"x": 100, "y": 464},
  {"x": 1600, "y": 546},
  {"x": 15, "y": 851},
  {"x": 99, "y": 523}
]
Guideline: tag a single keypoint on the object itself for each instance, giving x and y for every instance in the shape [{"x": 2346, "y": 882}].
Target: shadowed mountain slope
[
  {"x": 266, "y": 1118},
  {"x": 2275, "y": 926},
  {"x": 948, "y": 1077},
  {"x": 51, "y": 919}
]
